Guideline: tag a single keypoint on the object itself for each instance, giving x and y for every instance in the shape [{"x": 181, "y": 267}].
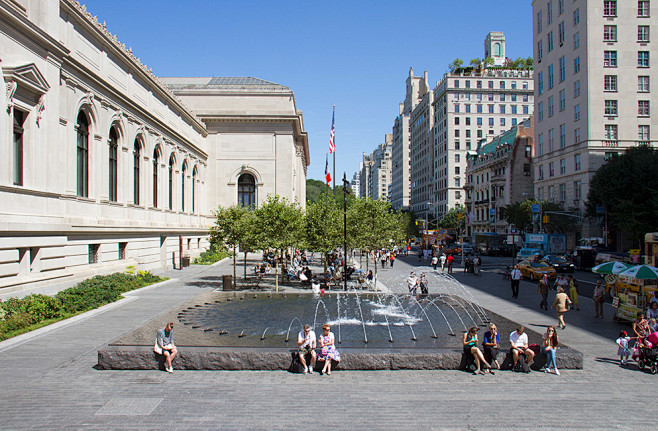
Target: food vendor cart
[{"x": 631, "y": 295}]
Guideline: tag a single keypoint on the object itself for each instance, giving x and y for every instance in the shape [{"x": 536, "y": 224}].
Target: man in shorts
[
  {"x": 306, "y": 341},
  {"x": 519, "y": 345}
]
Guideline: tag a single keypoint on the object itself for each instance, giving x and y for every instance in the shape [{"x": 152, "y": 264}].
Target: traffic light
[
  {"x": 547, "y": 219},
  {"x": 459, "y": 216},
  {"x": 416, "y": 222}
]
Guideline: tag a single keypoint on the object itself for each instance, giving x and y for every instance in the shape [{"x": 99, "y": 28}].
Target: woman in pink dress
[{"x": 328, "y": 350}]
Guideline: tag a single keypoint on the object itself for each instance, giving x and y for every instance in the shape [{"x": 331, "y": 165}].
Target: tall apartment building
[
  {"x": 355, "y": 184},
  {"x": 416, "y": 86},
  {"x": 380, "y": 172},
  {"x": 593, "y": 92},
  {"x": 499, "y": 174},
  {"x": 364, "y": 175},
  {"x": 422, "y": 196},
  {"x": 471, "y": 106}
]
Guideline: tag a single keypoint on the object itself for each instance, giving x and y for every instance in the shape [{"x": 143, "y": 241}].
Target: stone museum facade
[{"x": 107, "y": 166}]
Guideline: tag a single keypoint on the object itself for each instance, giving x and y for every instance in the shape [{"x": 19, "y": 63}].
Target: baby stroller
[{"x": 647, "y": 353}]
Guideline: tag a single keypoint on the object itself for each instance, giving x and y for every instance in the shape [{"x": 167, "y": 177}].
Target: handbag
[
  {"x": 600, "y": 299},
  {"x": 157, "y": 349}
]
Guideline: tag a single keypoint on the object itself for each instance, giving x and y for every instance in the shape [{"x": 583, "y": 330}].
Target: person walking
[
  {"x": 412, "y": 283},
  {"x": 542, "y": 289},
  {"x": 443, "y": 262},
  {"x": 435, "y": 261},
  {"x": 450, "y": 259},
  {"x": 599, "y": 298},
  {"x": 392, "y": 259},
  {"x": 573, "y": 292},
  {"x": 515, "y": 276},
  {"x": 561, "y": 305},
  {"x": 477, "y": 262}
]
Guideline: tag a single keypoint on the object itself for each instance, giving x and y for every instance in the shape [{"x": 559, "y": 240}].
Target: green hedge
[
  {"x": 28, "y": 313},
  {"x": 209, "y": 257}
]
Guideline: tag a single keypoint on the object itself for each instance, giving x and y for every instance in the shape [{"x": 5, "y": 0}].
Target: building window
[
  {"x": 491, "y": 109},
  {"x": 610, "y": 8},
  {"x": 576, "y": 65},
  {"x": 194, "y": 177},
  {"x": 514, "y": 109},
  {"x": 456, "y": 145},
  {"x": 112, "y": 179},
  {"x": 540, "y": 172},
  {"x": 540, "y": 112},
  {"x": 576, "y": 135},
  {"x": 549, "y": 41},
  {"x": 82, "y": 133},
  {"x": 576, "y": 112},
  {"x": 576, "y": 40},
  {"x": 171, "y": 181},
  {"x": 246, "y": 191},
  {"x": 456, "y": 133},
  {"x": 643, "y": 59},
  {"x": 540, "y": 144},
  {"x": 468, "y": 121},
  {"x": 563, "y": 99},
  {"x": 551, "y": 169},
  {"x": 610, "y": 107},
  {"x": 563, "y": 192},
  {"x": 643, "y": 108},
  {"x": 182, "y": 186},
  {"x": 610, "y": 59},
  {"x": 540, "y": 193},
  {"x": 456, "y": 158},
  {"x": 563, "y": 135},
  {"x": 468, "y": 84},
  {"x": 643, "y": 133},
  {"x": 576, "y": 162},
  {"x": 456, "y": 170},
  {"x": 19, "y": 119},
  {"x": 551, "y": 193},
  {"x": 576, "y": 88},
  {"x": 525, "y": 109},
  {"x": 502, "y": 85},
  {"x": 155, "y": 177},
  {"x": 610, "y": 132},
  {"x": 549, "y": 12},
  {"x": 610, "y": 33},
  {"x": 478, "y": 84},
  {"x": 502, "y": 121},
  {"x": 479, "y": 121},
  {"x": 560, "y": 7},
  {"x": 136, "y": 164},
  {"x": 610, "y": 83},
  {"x": 551, "y": 140},
  {"x": 539, "y": 22},
  {"x": 491, "y": 122},
  {"x": 550, "y": 106},
  {"x": 643, "y": 33},
  {"x": 490, "y": 84},
  {"x": 540, "y": 83},
  {"x": 563, "y": 73},
  {"x": 456, "y": 108},
  {"x": 576, "y": 16},
  {"x": 456, "y": 83},
  {"x": 643, "y": 8},
  {"x": 122, "y": 250},
  {"x": 93, "y": 253},
  {"x": 550, "y": 77},
  {"x": 560, "y": 32},
  {"x": 643, "y": 84},
  {"x": 540, "y": 51},
  {"x": 479, "y": 109},
  {"x": 563, "y": 167},
  {"x": 577, "y": 190}
]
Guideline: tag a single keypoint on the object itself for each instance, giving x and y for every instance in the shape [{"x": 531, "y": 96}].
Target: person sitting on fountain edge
[
  {"x": 306, "y": 341},
  {"x": 519, "y": 346},
  {"x": 164, "y": 345}
]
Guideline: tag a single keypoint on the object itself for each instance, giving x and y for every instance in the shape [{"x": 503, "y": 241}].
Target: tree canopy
[{"x": 627, "y": 187}]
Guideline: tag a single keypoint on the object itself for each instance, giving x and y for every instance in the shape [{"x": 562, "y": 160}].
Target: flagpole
[{"x": 334, "y": 152}]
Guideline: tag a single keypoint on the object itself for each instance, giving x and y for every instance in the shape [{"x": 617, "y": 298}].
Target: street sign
[
  {"x": 492, "y": 211},
  {"x": 535, "y": 208},
  {"x": 513, "y": 231}
]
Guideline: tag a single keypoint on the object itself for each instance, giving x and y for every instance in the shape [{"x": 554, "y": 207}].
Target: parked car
[
  {"x": 536, "y": 270},
  {"x": 468, "y": 250},
  {"x": 528, "y": 253},
  {"x": 560, "y": 263},
  {"x": 500, "y": 250}
]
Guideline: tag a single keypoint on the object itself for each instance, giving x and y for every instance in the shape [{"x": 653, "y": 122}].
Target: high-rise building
[
  {"x": 422, "y": 196},
  {"x": 364, "y": 175},
  {"x": 471, "y": 106},
  {"x": 593, "y": 95},
  {"x": 380, "y": 174},
  {"x": 355, "y": 184},
  {"x": 416, "y": 87}
]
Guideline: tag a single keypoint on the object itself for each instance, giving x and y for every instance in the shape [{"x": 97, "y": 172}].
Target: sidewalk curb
[{"x": 28, "y": 336}]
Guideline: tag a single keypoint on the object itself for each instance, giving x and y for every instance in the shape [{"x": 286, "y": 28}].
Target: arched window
[
  {"x": 194, "y": 175},
  {"x": 136, "y": 162},
  {"x": 114, "y": 144},
  {"x": 496, "y": 49},
  {"x": 156, "y": 162},
  {"x": 182, "y": 186},
  {"x": 82, "y": 127},
  {"x": 246, "y": 190},
  {"x": 171, "y": 182}
]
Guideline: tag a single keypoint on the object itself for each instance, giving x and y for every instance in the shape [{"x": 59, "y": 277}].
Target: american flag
[
  {"x": 327, "y": 174},
  {"x": 332, "y": 145}
]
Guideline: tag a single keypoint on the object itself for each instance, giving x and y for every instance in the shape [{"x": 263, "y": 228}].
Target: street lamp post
[{"x": 345, "y": 192}]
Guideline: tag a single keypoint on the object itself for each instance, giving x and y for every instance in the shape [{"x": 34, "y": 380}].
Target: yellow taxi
[{"x": 536, "y": 270}]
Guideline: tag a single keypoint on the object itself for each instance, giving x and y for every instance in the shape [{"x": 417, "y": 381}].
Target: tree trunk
[
  {"x": 245, "y": 266},
  {"x": 234, "y": 265}
]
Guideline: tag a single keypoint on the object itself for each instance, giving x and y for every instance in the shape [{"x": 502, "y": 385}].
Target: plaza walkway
[{"x": 49, "y": 380}]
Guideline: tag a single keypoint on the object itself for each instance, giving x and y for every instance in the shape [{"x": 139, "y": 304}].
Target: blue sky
[{"x": 354, "y": 54}]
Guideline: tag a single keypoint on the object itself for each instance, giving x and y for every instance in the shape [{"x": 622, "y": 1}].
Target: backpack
[{"x": 522, "y": 366}]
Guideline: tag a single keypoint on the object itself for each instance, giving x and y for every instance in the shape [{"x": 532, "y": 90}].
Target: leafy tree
[
  {"x": 323, "y": 225},
  {"x": 475, "y": 62},
  {"x": 529, "y": 63},
  {"x": 456, "y": 64},
  {"x": 627, "y": 187},
  {"x": 488, "y": 61},
  {"x": 451, "y": 219},
  {"x": 519, "y": 214},
  {"x": 315, "y": 189},
  {"x": 249, "y": 238},
  {"x": 279, "y": 225},
  {"x": 229, "y": 229}
]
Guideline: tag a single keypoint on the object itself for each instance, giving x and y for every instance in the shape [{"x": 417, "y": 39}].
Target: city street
[{"x": 49, "y": 379}]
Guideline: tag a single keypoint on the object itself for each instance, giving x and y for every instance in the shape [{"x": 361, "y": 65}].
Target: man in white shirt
[
  {"x": 519, "y": 345},
  {"x": 306, "y": 341},
  {"x": 516, "y": 278},
  {"x": 562, "y": 282},
  {"x": 412, "y": 283}
]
